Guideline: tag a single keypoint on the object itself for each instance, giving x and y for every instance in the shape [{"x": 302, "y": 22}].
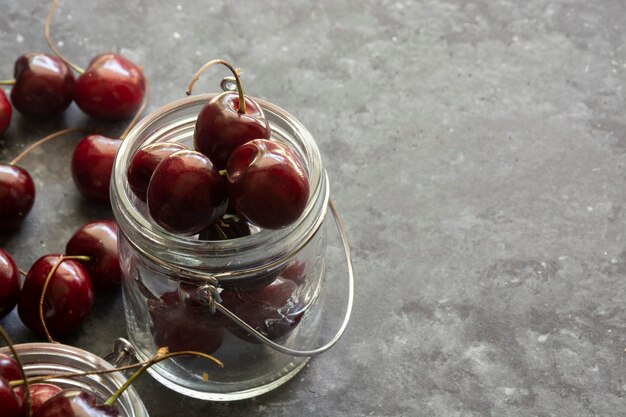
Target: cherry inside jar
[{"x": 273, "y": 280}]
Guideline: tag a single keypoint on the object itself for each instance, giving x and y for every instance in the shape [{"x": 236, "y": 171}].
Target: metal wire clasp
[{"x": 209, "y": 294}]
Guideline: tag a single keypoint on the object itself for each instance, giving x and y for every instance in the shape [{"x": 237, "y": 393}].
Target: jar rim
[{"x": 193, "y": 254}]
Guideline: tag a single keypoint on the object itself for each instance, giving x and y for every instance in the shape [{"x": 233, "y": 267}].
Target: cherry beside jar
[{"x": 192, "y": 294}]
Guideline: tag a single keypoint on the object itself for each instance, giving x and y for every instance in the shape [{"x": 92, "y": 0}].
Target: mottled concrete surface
[{"x": 476, "y": 150}]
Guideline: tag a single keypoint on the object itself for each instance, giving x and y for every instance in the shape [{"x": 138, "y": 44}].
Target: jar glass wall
[{"x": 272, "y": 279}]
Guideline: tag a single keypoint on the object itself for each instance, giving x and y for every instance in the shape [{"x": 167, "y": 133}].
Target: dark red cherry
[
  {"x": 269, "y": 310},
  {"x": 39, "y": 394},
  {"x": 220, "y": 128},
  {"x": 75, "y": 403},
  {"x": 9, "y": 369},
  {"x": 43, "y": 85},
  {"x": 111, "y": 88},
  {"x": 229, "y": 227},
  {"x": 180, "y": 322},
  {"x": 144, "y": 162},
  {"x": 68, "y": 299},
  {"x": 9, "y": 284},
  {"x": 295, "y": 271},
  {"x": 98, "y": 241},
  {"x": 10, "y": 405},
  {"x": 267, "y": 184},
  {"x": 5, "y": 112},
  {"x": 92, "y": 166},
  {"x": 186, "y": 193},
  {"x": 17, "y": 196}
]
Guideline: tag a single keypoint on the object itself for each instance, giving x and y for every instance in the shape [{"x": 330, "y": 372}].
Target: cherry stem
[
  {"x": 8, "y": 341},
  {"x": 45, "y": 288},
  {"x": 44, "y": 140},
  {"x": 242, "y": 102},
  {"x": 24, "y": 273},
  {"x": 7, "y": 82},
  {"x": 46, "y": 33},
  {"x": 133, "y": 122},
  {"x": 161, "y": 355}
]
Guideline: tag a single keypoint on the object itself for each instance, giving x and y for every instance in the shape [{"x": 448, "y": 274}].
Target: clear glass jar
[
  {"x": 41, "y": 359},
  {"x": 164, "y": 274}
]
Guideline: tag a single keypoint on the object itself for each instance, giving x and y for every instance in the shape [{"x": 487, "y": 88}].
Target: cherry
[
  {"x": 17, "y": 196},
  {"x": 180, "y": 322},
  {"x": 10, "y": 404},
  {"x": 9, "y": 368},
  {"x": 186, "y": 193},
  {"x": 43, "y": 85},
  {"x": 111, "y": 88},
  {"x": 295, "y": 271},
  {"x": 75, "y": 403},
  {"x": 228, "y": 120},
  {"x": 92, "y": 164},
  {"x": 39, "y": 394},
  {"x": 231, "y": 227},
  {"x": 98, "y": 241},
  {"x": 265, "y": 309},
  {"x": 9, "y": 284},
  {"x": 68, "y": 299},
  {"x": 144, "y": 162},
  {"x": 267, "y": 184},
  {"x": 5, "y": 112},
  {"x": 220, "y": 128}
]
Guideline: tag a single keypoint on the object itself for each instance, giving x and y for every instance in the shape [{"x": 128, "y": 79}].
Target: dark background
[{"x": 476, "y": 150}]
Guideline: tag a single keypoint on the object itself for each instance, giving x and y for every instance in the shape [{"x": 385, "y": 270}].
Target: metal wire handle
[{"x": 212, "y": 297}]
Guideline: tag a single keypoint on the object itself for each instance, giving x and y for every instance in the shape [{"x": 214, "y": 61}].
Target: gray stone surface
[{"x": 476, "y": 150}]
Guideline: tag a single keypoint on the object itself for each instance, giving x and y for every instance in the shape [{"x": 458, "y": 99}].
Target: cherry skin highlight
[
  {"x": 267, "y": 184},
  {"x": 111, "y": 88},
  {"x": 9, "y": 284},
  {"x": 186, "y": 193},
  {"x": 5, "y": 112},
  {"x": 98, "y": 241},
  {"x": 68, "y": 300},
  {"x": 17, "y": 196},
  {"x": 220, "y": 128},
  {"x": 75, "y": 403},
  {"x": 9, "y": 369},
  {"x": 265, "y": 309},
  {"x": 92, "y": 166},
  {"x": 143, "y": 164},
  {"x": 44, "y": 85}
]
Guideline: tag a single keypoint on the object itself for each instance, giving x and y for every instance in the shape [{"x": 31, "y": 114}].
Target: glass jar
[
  {"x": 272, "y": 279},
  {"x": 41, "y": 359}
]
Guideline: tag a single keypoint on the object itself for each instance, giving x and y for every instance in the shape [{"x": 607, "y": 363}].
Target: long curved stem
[
  {"x": 242, "y": 101},
  {"x": 46, "y": 33},
  {"x": 135, "y": 119},
  {"x": 8, "y": 341},
  {"x": 45, "y": 288},
  {"x": 44, "y": 140},
  {"x": 162, "y": 355}
]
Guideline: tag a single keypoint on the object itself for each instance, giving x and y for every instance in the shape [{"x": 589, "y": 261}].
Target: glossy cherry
[
  {"x": 98, "y": 241},
  {"x": 267, "y": 184},
  {"x": 39, "y": 394},
  {"x": 92, "y": 166},
  {"x": 144, "y": 162},
  {"x": 75, "y": 403},
  {"x": 269, "y": 310},
  {"x": 180, "y": 322},
  {"x": 186, "y": 193},
  {"x": 9, "y": 284},
  {"x": 17, "y": 196},
  {"x": 10, "y": 405},
  {"x": 220, "y": 128},
  {"x": 5, "y": 112},
  {"x": 68, "y": 300},
  {"x": 43, "y": 84},
  {"x": 9, "y": 369},
  {"x": 111, "y": 88}
]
